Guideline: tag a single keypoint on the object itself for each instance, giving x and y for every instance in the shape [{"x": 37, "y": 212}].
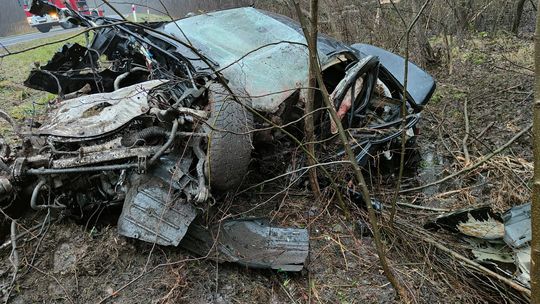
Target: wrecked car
[{"x": 164, "y": 118}]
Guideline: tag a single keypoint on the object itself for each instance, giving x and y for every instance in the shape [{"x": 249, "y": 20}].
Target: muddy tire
[
  {"x": 229, "y": 144},
  {"x": 44, "y": 28}
]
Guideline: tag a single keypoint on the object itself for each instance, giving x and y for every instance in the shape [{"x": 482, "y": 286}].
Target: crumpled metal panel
[
  {"x": 517, "y": 225},
  {"x": 251, "y": 242},
  {"x": 522, "y": 257},
  {"x": 227, "y": 36},
  {"x": 96, "y": 114},
  {"x": 151, "y": 213}
]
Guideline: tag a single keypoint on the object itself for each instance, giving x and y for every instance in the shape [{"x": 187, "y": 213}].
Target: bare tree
[
  {"x": 360, "y": 181},
  {"x": 535, "y": 210},
  {"x": 517, "y": 16},
  {"x": 308, "y": 123},
  {"x": 12, "y": 18}
]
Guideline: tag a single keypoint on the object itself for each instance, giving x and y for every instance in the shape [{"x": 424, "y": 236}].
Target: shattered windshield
[{"x": 257, "y": 53}]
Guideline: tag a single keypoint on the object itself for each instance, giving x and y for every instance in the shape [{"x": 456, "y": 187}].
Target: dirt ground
[{"x": 68, "y": 261}]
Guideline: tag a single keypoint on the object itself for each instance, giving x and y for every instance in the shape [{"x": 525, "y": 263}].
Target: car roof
[{"x": 263, "y": 55}]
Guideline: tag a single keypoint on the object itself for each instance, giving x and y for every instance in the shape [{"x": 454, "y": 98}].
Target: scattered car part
[
  {"x": 250, "y": 242},
  {"x": 504, "y": 246},
  {"x": 479, "y": 222},
  {"x": 153, "y": 213},
  {"x": 517, "y": 225}
]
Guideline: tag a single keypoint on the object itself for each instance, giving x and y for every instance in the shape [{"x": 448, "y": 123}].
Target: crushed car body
[{"x": 163, "y": 118}]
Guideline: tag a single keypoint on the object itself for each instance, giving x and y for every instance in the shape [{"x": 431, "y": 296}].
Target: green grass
[
  {"x": 21, "y": 102},
  {"x": 17, "y": 100}
]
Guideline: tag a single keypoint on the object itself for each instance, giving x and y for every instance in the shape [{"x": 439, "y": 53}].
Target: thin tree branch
[
  {"x": 474, "y": 166},
  {"x": 356, "y": 168},
  {"x": 404, "y": 112}
]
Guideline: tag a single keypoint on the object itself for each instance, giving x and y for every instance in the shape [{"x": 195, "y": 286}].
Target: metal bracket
[
  {"x": 18, "y": 169},
  {"x": 142, "y": 164}
]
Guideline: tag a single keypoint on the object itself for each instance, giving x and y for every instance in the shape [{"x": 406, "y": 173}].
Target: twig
[
  {"x": 404, "y": 112},
  {"x": 114, "y": 9},
  {"x": 466, "y": 137},
  {"x": 175, "y": 23},
  {"x": 474, "y": 166},
  {"x": 423, "y": 207},
  {"x": 477, "y": 137},
  {"x": 14, "y": 258}
]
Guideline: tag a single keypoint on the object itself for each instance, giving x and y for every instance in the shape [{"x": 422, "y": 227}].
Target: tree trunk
[
  {"x": 462, "y": 10},
  {"x": 426, "y": 50},
  {"x": 517, "y": 16},
  {"x": 308, "y": 121},
  {"x": 361, "y": 183},
  {"x": 535, "y": 210}
]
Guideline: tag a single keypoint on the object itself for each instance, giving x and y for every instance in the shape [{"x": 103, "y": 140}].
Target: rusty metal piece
[{"x": 105, "y": 156}]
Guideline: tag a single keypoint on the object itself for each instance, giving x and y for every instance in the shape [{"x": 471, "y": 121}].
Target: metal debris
[
  {"x": 250, "y": 242},
  {"x": 154, "y": 214},
  {"x": 501, "y": 242}
]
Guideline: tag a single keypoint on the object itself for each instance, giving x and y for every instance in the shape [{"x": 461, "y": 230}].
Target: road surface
[
  {"x": 11, "y": 40},
  {"x": 57, "y": 30}
]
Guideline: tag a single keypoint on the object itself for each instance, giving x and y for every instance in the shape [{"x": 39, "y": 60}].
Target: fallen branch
[
  {"x": 467, "y": 130},
  {"x": 423, "y": 207},
  {"x": 474, "y": 166}
]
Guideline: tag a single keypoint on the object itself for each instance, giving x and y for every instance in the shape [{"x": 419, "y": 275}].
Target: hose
[
  {"x": 143, "y": 135},
  {"x": 123, "y": 76},
  {"x": 169, "y": 142},
  {"x": 35, "y": 193}
]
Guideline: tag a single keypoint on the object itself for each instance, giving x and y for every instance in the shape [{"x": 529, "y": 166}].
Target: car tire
[
  {"x": 67, "y": 25},
  {"x": 44, "y": 28},
  {"x": 229, "y": 141}
]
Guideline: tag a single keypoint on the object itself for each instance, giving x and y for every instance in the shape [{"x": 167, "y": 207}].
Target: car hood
[{"x": 264, "y": 56}]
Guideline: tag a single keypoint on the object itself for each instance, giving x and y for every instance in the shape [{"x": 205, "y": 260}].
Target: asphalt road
[
  {"x": 11, "y": 40},
  {"x": 57, "y": 30}
]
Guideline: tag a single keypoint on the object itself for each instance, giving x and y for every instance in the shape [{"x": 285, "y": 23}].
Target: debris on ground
[{"x": 501, "y": 241}]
